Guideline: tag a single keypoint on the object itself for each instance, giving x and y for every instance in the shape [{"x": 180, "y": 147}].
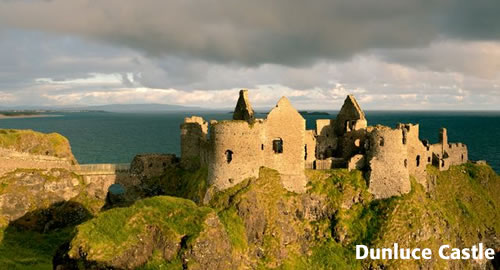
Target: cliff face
[{"x": 258, "y": 224}]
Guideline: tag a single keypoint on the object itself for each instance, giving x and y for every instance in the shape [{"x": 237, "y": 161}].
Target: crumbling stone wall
[
  {"x": 194, "y": 144},
  {"x": 417, "y": 152},
  {"x": 239, "y": 148},
  {"x": 387, "y": 158},
  {"x": 152, "y": 165},
  {"x": 445, "y": 154},
  {"x": 243, "y": 110},
  {"x": 310, "y": 146},
  {"x": 326, "y": 140},
  {"x": 350, "y": 117}
]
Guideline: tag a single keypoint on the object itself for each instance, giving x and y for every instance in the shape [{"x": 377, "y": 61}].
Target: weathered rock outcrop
[{"x": 24, "y": 190}]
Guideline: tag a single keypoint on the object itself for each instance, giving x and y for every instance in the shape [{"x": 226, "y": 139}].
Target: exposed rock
[
  {"x": 26, "y": 190},
  {"x": 211, "y": 249},
  {"x": 253, "y": 217}
]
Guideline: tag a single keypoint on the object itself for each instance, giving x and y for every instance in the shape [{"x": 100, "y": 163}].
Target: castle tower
[
  {"x": 388, "y": 162},
  {"x": 243, "y": 110}
]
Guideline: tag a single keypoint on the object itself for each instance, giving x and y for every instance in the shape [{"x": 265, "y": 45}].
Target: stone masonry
[{"x": 236, "y": 149}]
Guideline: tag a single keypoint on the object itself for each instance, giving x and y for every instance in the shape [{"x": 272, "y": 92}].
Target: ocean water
[{"x": 99, "y": 137}]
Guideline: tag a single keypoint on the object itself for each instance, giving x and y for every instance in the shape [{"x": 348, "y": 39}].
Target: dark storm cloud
[
  {"x": 415, "y": 53},
  {"x": 289, "y": 32}
]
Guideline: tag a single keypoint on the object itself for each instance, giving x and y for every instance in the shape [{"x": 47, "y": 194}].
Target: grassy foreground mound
[
  {"x": 259, "y": 225},
  {"x": 161, "y": 231},
  {"x": 37, "y": 143}
]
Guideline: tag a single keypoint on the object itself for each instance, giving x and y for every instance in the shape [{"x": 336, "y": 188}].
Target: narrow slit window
[
  {"x": 229, "y": 156},
  {"x": 418, "y": 160}
]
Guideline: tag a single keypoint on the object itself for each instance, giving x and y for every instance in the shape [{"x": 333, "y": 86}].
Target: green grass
[
  {"x": 20, "y": 249},
  {"x": 33, "y": 142},
  {"x": 182, "y": 183},
  {"x": 114, "y": 231},
  {"x": 235, "y": 228}
]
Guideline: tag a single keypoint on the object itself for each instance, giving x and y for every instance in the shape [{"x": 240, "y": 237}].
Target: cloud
[
  {"x": 288, "y": 32},
  {"x": 436, "y": 54}
]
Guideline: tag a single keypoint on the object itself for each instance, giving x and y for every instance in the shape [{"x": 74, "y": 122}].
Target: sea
[{"x": 105, "y": 137}]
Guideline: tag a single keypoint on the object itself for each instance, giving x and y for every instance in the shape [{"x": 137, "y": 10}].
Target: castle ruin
[{"x": 234, "y": 150}]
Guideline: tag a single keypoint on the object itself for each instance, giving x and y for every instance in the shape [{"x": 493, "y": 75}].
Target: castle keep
[{"x": 234, "y": 150}]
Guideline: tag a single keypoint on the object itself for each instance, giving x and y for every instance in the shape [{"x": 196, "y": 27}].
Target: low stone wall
[{"x": 103, "y": 168}]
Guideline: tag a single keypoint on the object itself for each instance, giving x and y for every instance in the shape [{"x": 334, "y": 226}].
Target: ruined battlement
[{"x": 236, "y": 149}]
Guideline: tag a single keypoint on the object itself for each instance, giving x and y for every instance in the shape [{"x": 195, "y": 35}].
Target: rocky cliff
[{"x": 258, "y": 224}]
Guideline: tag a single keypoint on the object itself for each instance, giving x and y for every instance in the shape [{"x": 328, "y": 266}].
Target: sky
[{"x": 390, "y": 54}]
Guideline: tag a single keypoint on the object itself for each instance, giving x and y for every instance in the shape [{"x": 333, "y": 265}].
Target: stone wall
[
  {"x": 152, "y": 165},
  {"x": 326, "y": 140},
  {"x": 284, "y": 122},
  {"x": 310, "y": 146},
  {"x": 445, "y": 154},
  {"x": 239, "y": 148},
  {"x": 236, "y": 149},
  {"x": 418, "y": 153},
  {"x": 387, "y": 159},
  {"x": 194, "y": 144}
]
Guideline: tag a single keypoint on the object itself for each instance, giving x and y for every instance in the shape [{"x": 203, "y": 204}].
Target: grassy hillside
[
  {"x": 269, "y": 227},
  {"x": 33, "y": 142},
  {"x": 258, "y": 224}
]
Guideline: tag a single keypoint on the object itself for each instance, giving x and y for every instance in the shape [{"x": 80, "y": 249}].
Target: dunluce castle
[{"x": 236, "y": 149}]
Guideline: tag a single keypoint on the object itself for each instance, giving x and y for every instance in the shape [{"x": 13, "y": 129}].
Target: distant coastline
[{"x": 12, "y": 116}]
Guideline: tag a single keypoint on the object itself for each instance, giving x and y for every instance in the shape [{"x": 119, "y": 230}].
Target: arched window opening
[
  {"x": 278, "y": 146},
  {"x": 418, "y": 160},
  {"x": 462, "y": 157},
  {"x": 381, "y": 141},
  {"x": 442, "y": 163},
  {"x": 262, "y": 147},
  {"x": 229, "y": 156},
  {"x": 357, "y": 142},
  {"x": 428, "y": 159},
  {"x": 305, "y": 152},
  {"x": 406, "y": 163}
]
